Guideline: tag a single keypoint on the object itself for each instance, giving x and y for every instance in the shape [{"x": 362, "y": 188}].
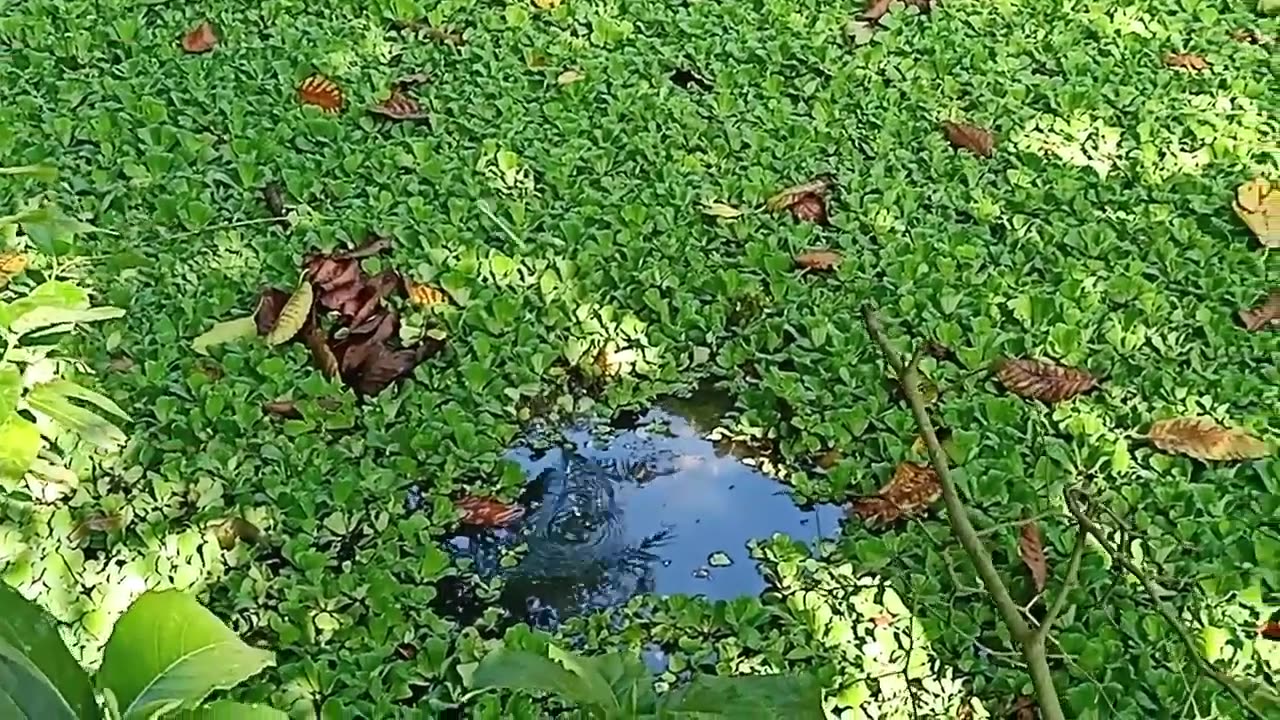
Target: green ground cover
[{"x": 1099, "y": 234}]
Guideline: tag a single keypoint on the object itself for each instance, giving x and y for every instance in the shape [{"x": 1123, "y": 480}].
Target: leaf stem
[
  {"x": 225, "y": 226},
  {"x": 1073, "y": 570}
]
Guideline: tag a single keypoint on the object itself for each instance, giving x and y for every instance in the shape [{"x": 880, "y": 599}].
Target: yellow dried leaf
[
  {"x": 423, "y": 295},
  {"x": 293, "y": 315},
  {"x": 721, "y": 210},
  {"x": 569, "y": 77},
  {"x": 546, "y": 4},
  {"x": 1204, "y": 439},
  {"x": 12, "y": 264},
  {"x": 1258, "y": 205}
]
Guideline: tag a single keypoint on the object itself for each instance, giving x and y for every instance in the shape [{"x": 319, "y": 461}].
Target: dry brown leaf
[
  {"x": 1032, "y": 549},
  {"x": 236, "y": 529},
  {"x": 293, "y": 315},
  {"x": 317, "y": 341},
  {"x": 721, "y": 210},
  {"x": 321, "y": 92},
  {"x": 810, "y": 207},
  {"x": 819, "y": 259},
  {"x": 1024, "y": 708},
  {"x": 286, "y": 409},
  {"x": 1265, "y": 316},
  {"x": 12, "y": 264},
  {"x": 399, "y": 107},
  {"x": 875, "y": 10},
  {"x": 446, "y": 36},
  {"x": 784, "y": 199},
  {"x": 1204, "y": 439},
  {"x": 829, "y": 459},
  {"x": 424, "y": 295},
  {"x": 1269, "y": 630},
  {"x": 911, "y": 490},
  {"x": 200, "y": 38},
  {"x": 1186, "y": 61},
  {"x": 970, "y": 137},
  {"x": 1250, "y": 36},
  {"x": 1043, "y": 380},
  {"x": 1258, "y": 205},
  {"x": 487, "y": 512}
]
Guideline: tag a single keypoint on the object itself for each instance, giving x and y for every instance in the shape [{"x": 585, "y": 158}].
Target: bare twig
[
  {"x": 1075, "y": 503},
  {"x": 1032, "y": 642},
  {"x": 1073, "y": 569}
]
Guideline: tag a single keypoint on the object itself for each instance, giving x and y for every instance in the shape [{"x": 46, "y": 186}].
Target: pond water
[{"x": 681, "y": 510}]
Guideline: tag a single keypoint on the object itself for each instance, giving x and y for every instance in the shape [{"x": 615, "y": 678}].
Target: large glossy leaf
[
  {"x": 229, "y": 710},
  {"x": 225, "y": 332},
  {"x": 25, "y": 692},
  {"x": 28, "y": 630},
  {"x": 167, "y": 652},
  {"x": 19, "y": 444},
  {"x": 747, "y": 697},
  {"x": 524, "y": 670},
  {"x": 49, "y": 400},
  {"x": 76, "y": 391}
]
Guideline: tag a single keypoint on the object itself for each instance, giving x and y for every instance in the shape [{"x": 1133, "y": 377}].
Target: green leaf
[
  {"x": 10, "y": 388},
  {"x": 76, "y": 391},
  {"x": 31, "y": 632},
  {"x": 42, "y": 173},
  {"x": 229, "y": 710},
  {"x": 225, "y": 332},
  {"x": 19, "y": 445},
  {"x": 630, "y": 681},
  {"x": 588, "y": 672},
  {"x": 167, "y": 652},
  {"x": 524, "y": 670},
  {"x": 47, "y": 400},
  {"x": 43, "y": 317},
  {"x": 25, "y": 692},
  {"x": 748, "y": 696},
  {"x": 48, "y": 227}
]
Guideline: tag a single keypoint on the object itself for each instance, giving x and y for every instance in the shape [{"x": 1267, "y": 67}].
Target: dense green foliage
[{"x": 1100, "y": 234}]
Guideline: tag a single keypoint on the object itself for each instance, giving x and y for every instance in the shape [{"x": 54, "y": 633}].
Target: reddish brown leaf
[
  {"x": 1265, "y": 316},
  {"x": 270, "y": 302},
  {"x": 317, "y": 341},
  {"x": 819, "y": 259},
  {"x": 1269, "y": 630},
  {"x": 1032, "y": 549},
  {"x": 970, "y": 137},
  {"x": 399, "y": 107},
  {"x": 200, "y": 38},
  {"x": 322, "y": 92},
  {"x": 1043, "y": 380},
  {"x": 1186, "y": 61},
  {"x": 911, "y": 490},
  {"x": 384, "y": 366},
  {"x": 784, "y": 199},
  {"x": 487, "y": 512},
  {"x": 875, "y": 10},
  {"x": 810, "y": 207}
]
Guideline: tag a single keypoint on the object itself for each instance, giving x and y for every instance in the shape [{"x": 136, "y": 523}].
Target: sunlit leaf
[
  {"x": 819, "y": 259},
  {"x": 1265, "y": 316},
  {"x": 12, "y": 264},
  {"x": 1204, "y": 439},
  {"x": 75, "y": 391},
  {"x": 90, "y": 426},
  {"x": 568, "y": 77},
  {"x": 321, "y": 92},
  {"x": 19, "y": 445},
  {"x": 293, "y": 315},
  {"x": 1257, "y": 203},
  {"x": 25, "y": 627},
  {"x": 424, "y": 295},
  {"x": 225, "y": 332},
  {"x": 721, "y": 210},
  {"x": 10, "y": 388}
]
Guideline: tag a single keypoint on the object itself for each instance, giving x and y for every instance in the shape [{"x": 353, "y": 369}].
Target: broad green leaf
[
  {"x": 225, "y": 332},
  {"x": 629, "y": 679},
  {"x": 76, "y": 391},
  {"x": 48, "y": 227},
  {"x": 90, "y": 426},
  {"x": 748, "y": 696},
  {"x": 524, "y": 670},
  {"x": 42, "y": 317},
  {"x": 167, "y": 652},
  {"x": 25, "y": 692},
  {"x": 19, "y": 444},
  {"x": 57, "y": 294},
  {"x": 10, "y": 389},
  {"x": 29, "y": 630},
  {"x": 229, "y": 710},
  {"x": 586, "y": 669}
]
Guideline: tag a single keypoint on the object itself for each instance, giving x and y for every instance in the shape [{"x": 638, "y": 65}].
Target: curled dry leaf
[
  {"x": 569, "y": 77},
  {"x": 487, "y": 512},
  {"x": 970, "y": 137},
  {"x": 911, "y": 490},
  {"x": 317, "y": 341},
  {"x": 819, "y": 259},
  {"x": 784, "y": 199},
  {"x": 1265, "y": 316},
  {"x": 200, "y": 38},
  {"x": 1041, "y": 380},
  {"x": 399, "y": 107},
  {"x": 1186, "y": 61},
  {"x": 270, "y": 302},
  {"x": 424, "y": 295},
  {"x": 810, "y": 207},
  {"x": 721, "y": 210},
  {"x": 1204, "y": 439},
  {"x": 1031, "y": 548},
  {"x": 1257, "y": 203},
  {"x": 293, "y": 315},
  {"x": 321, "y": 92},
  {"x": 12, "y": 264},
  {"x": 1270, "y": 630}
]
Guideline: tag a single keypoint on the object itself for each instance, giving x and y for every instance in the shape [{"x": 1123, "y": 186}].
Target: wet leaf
[
  {"x": 569, "y": 77},
  {"x": 321, "y": 92},
  {"x": 12, "y": 264},
  {"x": 1186, "y": 61},
  {"x": 911, "y": 490},
  {"x": 399, "y": 107},
  {"x": 1041, "y": 380},
  {"x": 225, "y": 332},
  {"x": 819, "y": 259},
  {"x": 270, "y": 302},
  {"x": 721, "y": 210},
  {"x": 487, "y": 512},
  {"x": 293, "y": 315},
  {"x": 970, "y": 137},
  {"x": 424, "y": 295},
  {"x": 1204, "y": 439},
  {"x": 784, "y": 199},
  {"x": 200, "y": 38},
  {"x": 1257, "y": 203},
  {"x": 1265, "y": 316},
  {"x": 236, "y": 529},
  {"x": 1031, "y": 548}
]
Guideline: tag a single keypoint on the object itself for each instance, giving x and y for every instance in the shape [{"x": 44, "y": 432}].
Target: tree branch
[
  {"x": 1069, "y": 584},
  {"x": 1075, "y": 500},
  {"x": 1032, "y": 642}
]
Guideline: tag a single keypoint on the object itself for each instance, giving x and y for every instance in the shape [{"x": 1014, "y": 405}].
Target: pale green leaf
[
  {"x": 10, "y": 389},
  {"x": 19, "y": 444},
  {"x": 167, "y": 652},
  {"x": 48, "y": 225},
  {"x": 76, "y": 391},
  {"x": 524, "y": 670},
  {"x": 34, "y": 634},
  {"x": 42, "y": 317},
  {"x": 225, "y": 332},
  {"x": 90, "y": 426}
]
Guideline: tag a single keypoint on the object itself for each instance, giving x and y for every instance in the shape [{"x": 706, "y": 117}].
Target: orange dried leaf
[
  {"x": 786, "y": 198},
  {"x": 423, "y": 295},
  {"x": 1032, "y": 550},
  {"x": 1025, "y": 708},
  {"x": 1186, "y": 61},
  {"x": 12, "y": 264},
  {"x": 910, "y": 491},
  {"x": 399, "y": 107},
  {"x": 1043, "y": 380},
  {"x": 487, "y": 512},
  {"x": 1270, "y": 630},
  {"x": 322, "y": 92},
  {"x": 1257, "y": 203},
  {"x": 200, "y": 38},
  {"x": 1204, "y": 439},
  {"x": 970, "y": 137},
  {"x": 819, "y": 259},
  {"x": 1265, "y": 316},
  {"x": 318, "y": 343}
]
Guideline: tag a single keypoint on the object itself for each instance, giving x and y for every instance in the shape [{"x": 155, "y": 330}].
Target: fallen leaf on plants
[
  {"x": 1265, "y": 316},
  {"x": 1186, "y": 61},
  {"x": 875, "y": 10},
  {"x": 384, "y": 366},
  {"x": 286, "y": 409},
  {"x": 425, "y": 296},
  {"x": 546, "y": 4},
  {"x": 372, "y": 245},
  {"x": 910, "y": 491},
  {"x": 568, "y": 77},
  {"x": 12, "y": 264},
  {"x": 1025, "y": 708},
  {"x": 1269, "y": 630},
  {"x": 810, "y": 207},
  {"x": 1204, "y": 439},
  {"x": 1031, "y": 548},
  {"x": 200, "y": 38},
  {"x": 487, "y": 512},
  {"x": 1041, "y": 380},
  {"x": 270, "y": 302},
  {"x": 321, "y": 92},
  {"x": 236, "y": 529},
  {"x": 1250, "y": 36},
  {"x": 399, "y": 107},
  {"x": 317, "y": 341},
  {"x": 445, "y": 36},
  {"x": 819, "y": 259},
  {"x": 406, "y": 651},
  {"x": 721, "y": 210},
  {"x": 829, "y": 459},
  {"x": 784, "y": 199},
  {"x": 273, "y": 196},
  {"x": 293, "y": 315},
  {"x": 225, "y": 332},
  {"x": 1257, "y": 203},
  {"x": 970, "y": 137},
  {"x": 120, "y": 364}
]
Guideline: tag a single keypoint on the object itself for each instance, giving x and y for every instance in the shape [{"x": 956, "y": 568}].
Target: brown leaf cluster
[
  {"x": 806, "y": 201},
  {"x": 1204, "y": 439},
  {"x": 1186, "y": 61},
  {"x": 1041, "y": 380},
  {"x": 1265, "y": 316},
  {"x": 200, "y": 38},
  {"x": 911, "y": 490},
  {"x": 487, "y": 512},
  {"x": 1031, "y": 547},
  {"x": 1269, "y": 630},
  {"x": 976, "y": 140}
]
